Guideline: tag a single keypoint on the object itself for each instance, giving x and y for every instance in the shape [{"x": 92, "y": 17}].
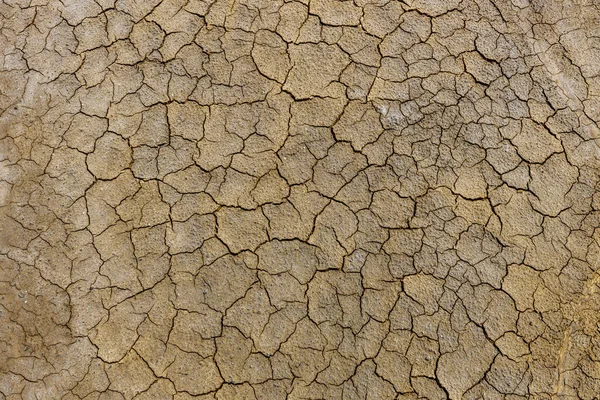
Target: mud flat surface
[{"x": 268, "y": 199}]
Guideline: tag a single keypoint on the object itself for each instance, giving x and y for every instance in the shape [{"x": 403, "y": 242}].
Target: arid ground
[{"x": 299, "y": 199}]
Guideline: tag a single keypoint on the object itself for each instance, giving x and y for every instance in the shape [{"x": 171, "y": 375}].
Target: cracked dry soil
[{"x": 303, "y": 199}]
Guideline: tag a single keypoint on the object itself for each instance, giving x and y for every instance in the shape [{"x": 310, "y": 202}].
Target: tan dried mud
[{"x": 303, "y": 199}]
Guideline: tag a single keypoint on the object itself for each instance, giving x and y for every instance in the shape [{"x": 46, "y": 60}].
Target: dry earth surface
[{"x": 303, "y": 199}]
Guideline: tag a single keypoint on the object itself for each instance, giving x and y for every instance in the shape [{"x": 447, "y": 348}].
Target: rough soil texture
[{"x": 313, "y": 199}]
